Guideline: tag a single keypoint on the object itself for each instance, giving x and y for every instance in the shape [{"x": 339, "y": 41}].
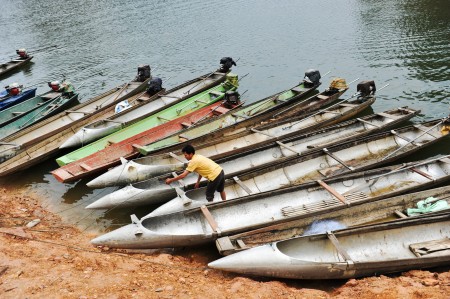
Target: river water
[{"x": 99, "y": 44}]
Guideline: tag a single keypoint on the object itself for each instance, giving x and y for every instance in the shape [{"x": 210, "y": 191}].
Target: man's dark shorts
[{"x": 217, "y": 185}]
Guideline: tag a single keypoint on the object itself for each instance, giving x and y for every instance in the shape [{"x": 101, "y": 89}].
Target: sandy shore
[{"x": 53, "y": 259}]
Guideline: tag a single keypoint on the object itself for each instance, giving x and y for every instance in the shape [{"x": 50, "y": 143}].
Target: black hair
[{"x": 188, "y": 149}]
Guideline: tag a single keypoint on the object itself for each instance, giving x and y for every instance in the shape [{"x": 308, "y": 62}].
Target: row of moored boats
[{"x": 315, "y": 188}]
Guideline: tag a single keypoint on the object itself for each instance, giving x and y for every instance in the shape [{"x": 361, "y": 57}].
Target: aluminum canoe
[
  {"x": 207, "y": 223},
  {"x": 50, "y": 104},
  {"x": 72, "y": 117},
  {"x": 362, "y": 154},
  {"x": 205, "y": 98},
  {"x": 106, "y": 126},
  {"x": 155, "y": 191},
  {"x": 7, "y": 101},
  {"x": 320, "y": 219},
  {"x": 127, "y": 149},
  {"x": 394, "y": 246},
  {"x": 153, "y": 165},
  {"x": 13, "y": 64}
]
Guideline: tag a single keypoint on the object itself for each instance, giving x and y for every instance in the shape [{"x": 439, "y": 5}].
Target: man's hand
[
  {"x": 197, "y": 185},
  {"x": 168, "y": 181}
]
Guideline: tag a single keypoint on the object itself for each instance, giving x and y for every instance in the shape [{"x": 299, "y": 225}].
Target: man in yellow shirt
[{"x": 206, "y": 168}]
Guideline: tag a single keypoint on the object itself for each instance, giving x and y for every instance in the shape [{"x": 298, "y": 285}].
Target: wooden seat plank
[
  {"x": 333, "y": 192},
  {"x": 338, "y": 246},
  {"x": 210, "y": 219},
  {"x": 334, "y": 157},
  {"x": 242, "y": 185}
]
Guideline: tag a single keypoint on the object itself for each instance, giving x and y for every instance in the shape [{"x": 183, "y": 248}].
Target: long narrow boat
[
  {"x": 288, "y": 131},
  {"x": 126, "y": 149},
  {"x": 58, "y": 102},
  {"x": 7, "y": 100},
  {"x": 210, "y": 96},
  {"x": 106, "y": 126},
  {"x": 320, "y": 219},
  {"x": 100, "y": 159},
  {"x": 281, "y": 106},
  {"x": 13, "y": 64},
  {"x": 275, "y": 173},
  {"x": 49, "y": 146},
  {"x": 207, "y": 223},
  {"x": 70, "y": 118},
  {"x": 395, "y": 246},
  {"x": 17, "y": 111}
]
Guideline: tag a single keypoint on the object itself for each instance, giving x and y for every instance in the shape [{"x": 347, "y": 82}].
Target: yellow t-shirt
[{"x": 205, "y": 167}]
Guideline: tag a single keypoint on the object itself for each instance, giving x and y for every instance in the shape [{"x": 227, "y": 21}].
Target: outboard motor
[
  {"x": 154, "y": 86},
  {"x": 312, "y": 78},
  {"x": 232, "y": 99},
  {"x": 366, "y": 88},
  {"x": 55, "y": 85},
  {"x": 13, "y": 89},
  {"x": 22, "y": 53},
  {"x": 143, "y": 73},
  {"x": 226, "y": 64}
]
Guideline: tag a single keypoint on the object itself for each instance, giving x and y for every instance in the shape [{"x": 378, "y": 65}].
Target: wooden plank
[
  {"x": 262, "y": 133},
  {"x": 288, "y": 147},
  {"x": 137, "y": 146},
  {"x": 183, "y": 137},
  {"x": 322, "y": 97},
  {"x": 186, "y": 200},
  {"x": 240, "y": 116},
  {"x": 400, "y": 214},
  {"x": 176, "y": 157},
  {"x": 241, "y": 244},
  {"x": 181, "y": 182},
  {"x": 422, "y": 173},
  {"x": 298, "y": 89},
  {"x": 347, "y": 105},
  {"x": 367, "y": 122},
  {"x": 387, "y": 115},
  {"x": 210, "y": 219},
  {"x": 85, "y": 166},
  {"x": 427, "y": 130},
  {"x": 393, "y": 132},
  {"x": 242, "y": 185},
  {"x": 224, "y": 244},
  {"x": 338, "y": 246},
  {"x": 333, "y": 192},
  {"x": 185, "y": 125},
  {"x": 331, "y": 155},
  {"x": 445, "y": 160}
]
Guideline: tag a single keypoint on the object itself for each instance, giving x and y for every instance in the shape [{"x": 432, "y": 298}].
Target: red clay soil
[{"x": 55, "y": 260}]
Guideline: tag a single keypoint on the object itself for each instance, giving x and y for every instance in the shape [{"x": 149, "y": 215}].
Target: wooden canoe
[
  {"x": 127, "y": 149},
  {"x": 69, "y": 118},
  {"x": 319, "y": 219},
  {"x": 106, "y": 126},
  {"x": 13, "y": 65},
  {"x": 276, "y": 107},
  {"x": 394, "y": 246},
  {"x": 49, "y": 146},
  {"x": 7, "y": 101},
  {"x": 50, "y": 104},
  {"x": 207, "y": 223},
  {"x": 210, "y": 96}
]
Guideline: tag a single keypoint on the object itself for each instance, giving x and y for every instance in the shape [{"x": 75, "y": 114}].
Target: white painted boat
[
  {"x": 279, "y": 166},
  {"x": 395, "y": 246},
  {"x": 207, "y": 223}
]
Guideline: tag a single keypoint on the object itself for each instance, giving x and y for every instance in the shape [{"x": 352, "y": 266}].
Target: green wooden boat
[
  {"x": 12, "y": 113},
  {"x": 43, "y": 106},
  {"x": 280, "y": 106},
  {"x": 193, "y": 103}
]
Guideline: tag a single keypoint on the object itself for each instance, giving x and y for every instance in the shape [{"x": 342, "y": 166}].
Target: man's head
[{"x": 188, "y": 152}]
